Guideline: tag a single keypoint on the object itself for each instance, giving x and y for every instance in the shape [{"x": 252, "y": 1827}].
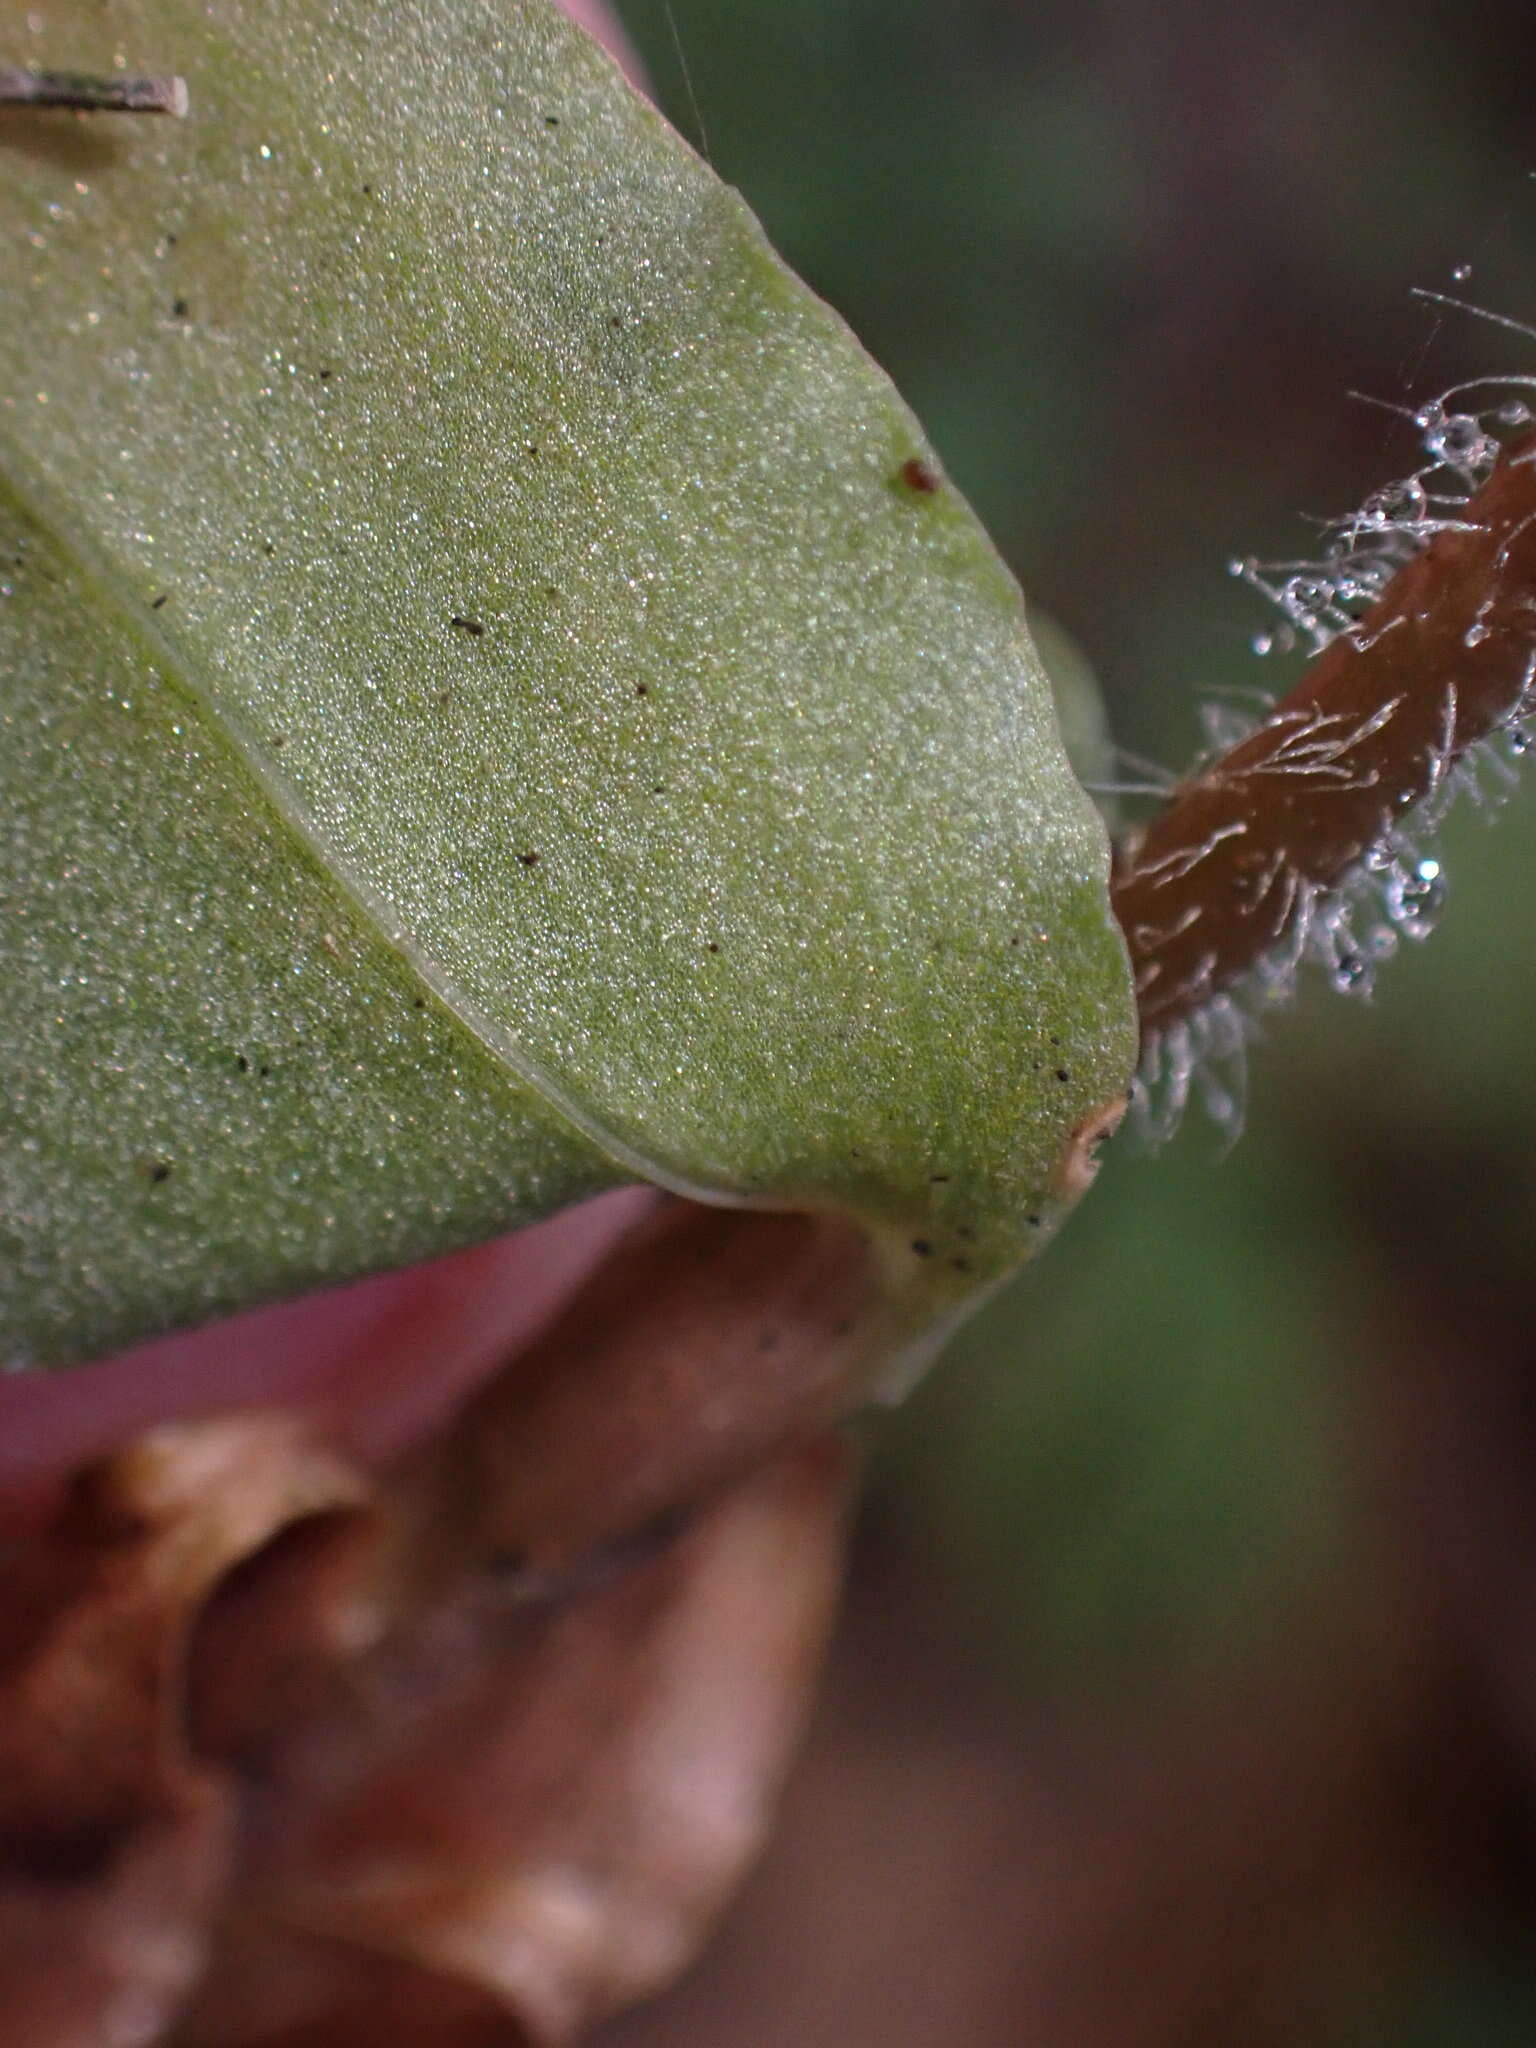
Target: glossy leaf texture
[{"x": 498, "y": 698}]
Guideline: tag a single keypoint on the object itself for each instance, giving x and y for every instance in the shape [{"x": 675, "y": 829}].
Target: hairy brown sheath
[{"x": 1228, "y": 873}]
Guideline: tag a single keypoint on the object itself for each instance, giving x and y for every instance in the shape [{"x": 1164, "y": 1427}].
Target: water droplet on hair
[
  {"x": 1399, "y": 504},
  {"x": 1351, "y": 974},
  {"x": 1457, "y": 439},
  {"x": 1415, "y": 896}
]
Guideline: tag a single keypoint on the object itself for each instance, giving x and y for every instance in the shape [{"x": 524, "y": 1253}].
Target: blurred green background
[{"x": 1198, "y": 1592}]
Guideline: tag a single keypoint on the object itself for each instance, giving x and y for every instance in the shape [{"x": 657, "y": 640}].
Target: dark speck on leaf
[
  {"x": 918, "y": 476},
  {"x": 279, "y": 739},
  {"x": 937, "y": 1179},
  {"x": 533, "y": 447},
  {"x": 242, "y": 1063},
  {"x": 157, "y": 602},
  {"x": 922, "y": 1247},
  {"x": 961, "y": 1265},
  {"x": 713, "y": 948},
  {"x": 268, "y": 549},
  {"x": 160, "y": 1172},
  {"x": 528, "y": 859},
  {"x": 551, "y": 120},
  {"x": 615, "y": 321},
  {"x": 471, "y": 626},
  {"x": 642, "y": 689},
  {"x": 1063, "y": 1074},
  {"x": 181, "y": 309},
  {"x": 420, "y": 1003},
  {"x": 1034, "y": 1222},
  {"x": 324, "y": 375},
  {"x": 265, "y": 1073}
]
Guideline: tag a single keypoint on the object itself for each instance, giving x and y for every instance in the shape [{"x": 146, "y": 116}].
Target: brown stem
[
  {"x": 126, "y": 93},
  {"x": 1228, "y": 873}
]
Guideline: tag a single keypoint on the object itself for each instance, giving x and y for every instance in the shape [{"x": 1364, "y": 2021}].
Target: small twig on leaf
[{"x": 128, "y": 92}]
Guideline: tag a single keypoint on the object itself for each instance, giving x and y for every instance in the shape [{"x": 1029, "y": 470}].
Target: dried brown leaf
[
  {"x": 500, "y": 1729},
  {"x": 708, "y": 1339},
  {"x": 543, "y": 1805},
  {"x": 113, "y": 1844}
]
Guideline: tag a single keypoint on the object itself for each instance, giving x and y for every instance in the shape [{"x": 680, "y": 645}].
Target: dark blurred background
[{"x": 1187, "y": 1690}]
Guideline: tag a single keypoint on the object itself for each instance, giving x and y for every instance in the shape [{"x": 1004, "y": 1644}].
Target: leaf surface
[{"x": 498, "y": 698}]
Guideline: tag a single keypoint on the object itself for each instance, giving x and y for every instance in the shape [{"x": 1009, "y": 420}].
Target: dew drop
[
  {"x": 1219, "y": 1103},
  {"x": 1351, "y": 974},
  {"x": 1415, "y": 896},
  {"x": 1457, "y": 439},
  {"x": 1399, "y": 504}
]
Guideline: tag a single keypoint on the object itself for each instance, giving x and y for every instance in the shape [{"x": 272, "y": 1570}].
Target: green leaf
[{"x": 492, "y": 704}]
